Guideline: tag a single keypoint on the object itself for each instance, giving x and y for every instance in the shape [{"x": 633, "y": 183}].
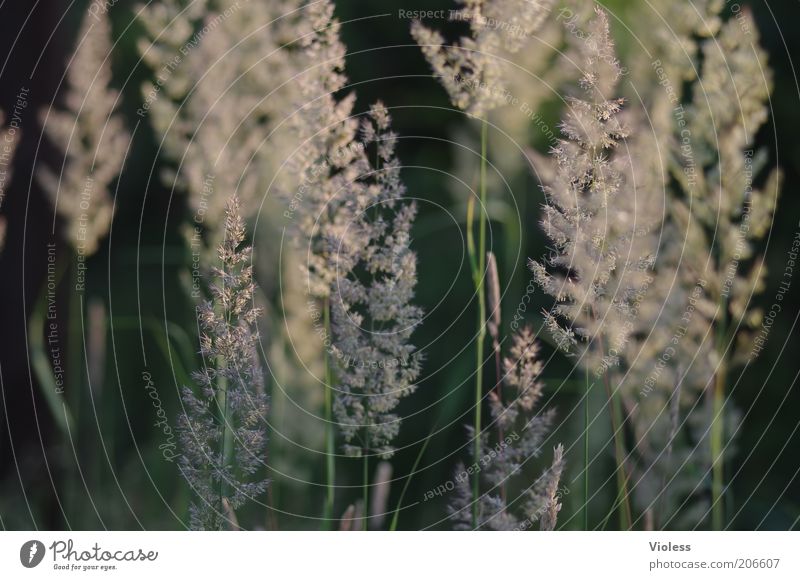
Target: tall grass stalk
[
  {"x": 365, "y": 487},
  {"x": 396, "y": 516},
  {"x": 586, "y": 452},
  {"x": 453, "y": 65},
  {"x": 528, "y": 428},
  {"x": 478, "y": 261},
  {"x": 718, "y": 429},
  {"x": 41, "y": 363},
  {"x": 223, "y": 401},
  {"x": 728, "y": 105},
  {"x": 75, "y": 395},
  {"x": 616, "y": 413},
  {"x": 625, "y": 513},
  {"x": 330, "y": 460},
  {"x": 220, "y": 428},
  {"x": 591, "y": 270},
  {"x": 717, "y": 436}
]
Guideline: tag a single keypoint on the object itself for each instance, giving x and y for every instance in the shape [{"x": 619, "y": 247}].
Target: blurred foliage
[{"x": 140, "y": 275}]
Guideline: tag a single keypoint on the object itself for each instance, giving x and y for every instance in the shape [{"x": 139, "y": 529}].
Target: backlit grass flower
[
  {"x": 473, "y": 70},
  {"x": 91, "y": 135},
  {"x": 223, "y": 86},
  {"x": 722, "y": 197},
  {"x": 519, "y": 430},
  {"x": 602, "y": 247},
  {"x": 373, "y": 317},
  {"x": 222, "y": 433}
]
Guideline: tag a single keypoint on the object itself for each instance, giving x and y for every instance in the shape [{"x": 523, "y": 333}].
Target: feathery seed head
[
  {"x": 92, "y": 137},
  {"x": 472, "y": 70},
  {"x": 519, "y": 433},
  {"x": 595, "y": 213},
  {"x": 229, "y": 395}
]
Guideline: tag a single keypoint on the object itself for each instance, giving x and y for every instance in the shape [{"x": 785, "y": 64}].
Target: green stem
[
  {"x": 75, "y": 396},
  {"x": 41, "y": 360},
  {"x": 717, "y": 436},
  {"x": 330, "y": 466},
  {"x": 586, "y": 453},
  {"x": 478, "y": 275},
  {"x": 227, "y": 436},
  {"x": 484, "y": 208},
  {"x": 718, "y": 433},
  {"x": 365, "y": 491},
  {"x": 223, "y": 402},
  {"x": 625, "y": 512},
  {"x": 615, "y": 506},
  {"x": 625, "y": 515},
  {"x": 396, "y": 516},
  {"x": 74, "y": 342}
]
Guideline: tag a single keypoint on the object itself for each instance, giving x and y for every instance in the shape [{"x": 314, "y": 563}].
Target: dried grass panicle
[
  {"x": 552, "y": 505},
  {"x": 706, "y": 63},
  {"x": 229, "y": 393},
  {"x": 223, "y": 87},
  {"x": 721, "y": 200},
  {"x": 519, "y": 432},
  {"x": 91, "y": 135},
  {"x": 168, "y": 27},
  {"x": 733, "y": 193},
  {"x": 372, "y": 314},
  {"x": 676, "y": 30},
  {"x": 473, "y": 70},
  {"x": 716, "y": 173},
  {"x": 601, "y": 252},
  {"x": 533, "y": 77},
  {"x": 521, "y": 376},
  {"x": 352, "y": 227},
  {"x": 323, "y": 192}
]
